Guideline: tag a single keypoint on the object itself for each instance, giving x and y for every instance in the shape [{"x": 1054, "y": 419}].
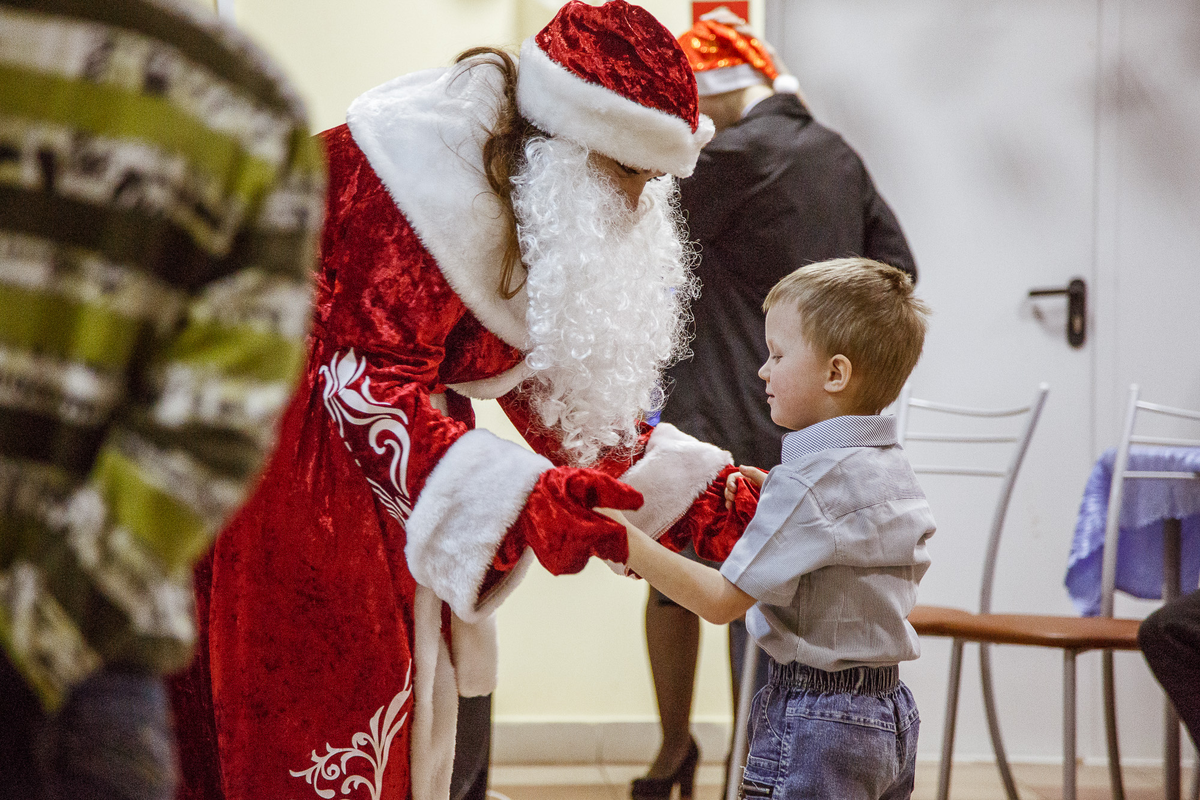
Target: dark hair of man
[{"x": 503, "y": 152}]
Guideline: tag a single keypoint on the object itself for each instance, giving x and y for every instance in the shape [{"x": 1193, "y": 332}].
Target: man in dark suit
[{"x": 774, "y": 190}]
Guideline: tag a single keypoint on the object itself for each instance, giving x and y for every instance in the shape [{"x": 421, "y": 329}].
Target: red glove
[
  {"x": 558, "y": 522},
  {"x": 713, "y": 529},
  {"x": 717, "y": 541}
]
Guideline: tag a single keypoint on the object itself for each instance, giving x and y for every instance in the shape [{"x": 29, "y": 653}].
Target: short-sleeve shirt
[{"x": 836, "y": 549}]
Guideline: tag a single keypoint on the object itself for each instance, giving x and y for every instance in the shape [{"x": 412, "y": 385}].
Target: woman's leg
[{"x": 673, "y": 642}]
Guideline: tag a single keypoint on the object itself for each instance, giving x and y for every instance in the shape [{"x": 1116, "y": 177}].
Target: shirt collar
[{"x": 844, "y": 431}]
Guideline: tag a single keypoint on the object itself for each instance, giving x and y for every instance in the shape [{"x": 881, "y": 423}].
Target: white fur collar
[{"x": 423, "y": 135}]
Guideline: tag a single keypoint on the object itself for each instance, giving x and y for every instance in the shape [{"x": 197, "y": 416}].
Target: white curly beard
[{"x": 608, "y": 292}]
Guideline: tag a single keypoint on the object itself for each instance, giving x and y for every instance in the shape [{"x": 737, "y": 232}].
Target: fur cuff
[
  {"x": 469, "y": 502},
  {"x": 672, "y": 473},
  {"x": 435, "y": 703},
  {"x": 476, "y": 656}
]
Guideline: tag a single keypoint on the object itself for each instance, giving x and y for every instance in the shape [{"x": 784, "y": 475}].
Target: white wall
[{"x": 336, "y": 51}]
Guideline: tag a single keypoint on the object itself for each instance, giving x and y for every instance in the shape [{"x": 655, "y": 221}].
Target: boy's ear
[{"x": 837, "y": 375}]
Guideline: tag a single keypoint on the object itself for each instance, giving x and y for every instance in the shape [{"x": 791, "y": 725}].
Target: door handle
[{"x": 1076, "y": 292}]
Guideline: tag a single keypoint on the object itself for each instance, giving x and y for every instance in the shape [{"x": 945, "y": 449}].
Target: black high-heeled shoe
[{"x": 660, "y": 788}]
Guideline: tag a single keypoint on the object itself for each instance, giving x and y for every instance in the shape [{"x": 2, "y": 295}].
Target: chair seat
[
  {"x": 937, "y": 620},
  {"x": 1036, "y": 630}
]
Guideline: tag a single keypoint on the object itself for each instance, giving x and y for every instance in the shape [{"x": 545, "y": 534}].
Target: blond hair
[{"x": 865, "y": 311}]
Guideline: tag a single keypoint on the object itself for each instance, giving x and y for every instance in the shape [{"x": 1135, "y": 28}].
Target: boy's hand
[
  {"x": 614, "y": 515},
  {"x": 752, "y": 474},
  {"x": 631, "y": 531}
]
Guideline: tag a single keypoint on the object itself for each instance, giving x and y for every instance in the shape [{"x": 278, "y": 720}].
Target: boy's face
[{"x": 796, "y": 375}]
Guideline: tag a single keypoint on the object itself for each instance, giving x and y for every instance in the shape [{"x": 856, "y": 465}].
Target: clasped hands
[
  {"x": 716, "y": 520},
  {"x": 575, "y": 513}
]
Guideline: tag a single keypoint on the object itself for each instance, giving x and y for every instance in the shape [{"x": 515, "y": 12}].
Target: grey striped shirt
[{"x": 836, "y": 549}]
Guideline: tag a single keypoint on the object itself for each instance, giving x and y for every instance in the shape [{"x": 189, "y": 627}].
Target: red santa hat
[
  {"x": 613, "y": 79},
  {"x": 727, "y": 57}
]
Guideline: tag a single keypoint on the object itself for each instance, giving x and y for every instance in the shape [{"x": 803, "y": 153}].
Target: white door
[
  {"x": 1148, "y": 254},
  {"x": 1023, "y": 144}
]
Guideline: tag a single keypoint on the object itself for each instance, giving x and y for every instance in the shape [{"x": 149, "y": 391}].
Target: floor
[{"x": 970, "y": 782}]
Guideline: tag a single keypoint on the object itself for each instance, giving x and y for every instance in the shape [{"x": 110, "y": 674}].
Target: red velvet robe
[{"x": 349, "y": 602}]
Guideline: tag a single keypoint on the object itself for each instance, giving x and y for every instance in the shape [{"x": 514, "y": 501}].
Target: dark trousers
[
  {"x": 1170, "y": 640},
  {"x": 472, "y": 749},
  {"x": 111, "y": 740}
]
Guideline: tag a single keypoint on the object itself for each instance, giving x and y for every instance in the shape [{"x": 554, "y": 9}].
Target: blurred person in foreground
[
  {"x": 773, "y": 191},
  {"x": 159, "y": 208},
  {"x": 494, "y": 229}
]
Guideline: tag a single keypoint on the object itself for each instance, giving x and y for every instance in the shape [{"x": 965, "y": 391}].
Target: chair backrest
[
  {"x": 1121, "y": 473},
  {"x": 1008, "y": 476}
]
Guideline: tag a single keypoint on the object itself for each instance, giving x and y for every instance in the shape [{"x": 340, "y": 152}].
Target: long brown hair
[{"x": 503, "y": 152}]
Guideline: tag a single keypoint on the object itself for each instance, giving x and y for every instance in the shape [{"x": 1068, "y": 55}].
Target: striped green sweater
[{"x": 160, "y": 201}]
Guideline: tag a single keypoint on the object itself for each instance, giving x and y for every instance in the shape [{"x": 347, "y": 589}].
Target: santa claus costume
[{"x": 350, "y": 602}]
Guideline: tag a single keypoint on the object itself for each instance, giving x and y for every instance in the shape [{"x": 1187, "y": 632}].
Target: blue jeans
[
  {"x": 111, "y": 740},
  {"x": 849, "y": 735}
]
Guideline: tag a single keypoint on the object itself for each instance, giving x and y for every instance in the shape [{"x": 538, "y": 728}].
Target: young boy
[{"x": 828, "y": 568}]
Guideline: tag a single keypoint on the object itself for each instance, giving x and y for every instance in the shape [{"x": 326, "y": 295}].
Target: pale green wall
[{"x": 571, "y": 648}]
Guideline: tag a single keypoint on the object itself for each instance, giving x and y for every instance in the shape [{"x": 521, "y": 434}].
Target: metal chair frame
[
  {"x": 1171, "y": 587},
  {"x": 1008, "y": 481}
]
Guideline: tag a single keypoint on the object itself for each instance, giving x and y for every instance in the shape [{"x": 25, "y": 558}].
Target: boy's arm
[{"x": 698, "y": 588}]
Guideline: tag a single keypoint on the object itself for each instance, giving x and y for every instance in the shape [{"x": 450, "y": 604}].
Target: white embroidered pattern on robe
[
  {"x": 332, "y": 766},
  {"x": 342, "y": 402}
]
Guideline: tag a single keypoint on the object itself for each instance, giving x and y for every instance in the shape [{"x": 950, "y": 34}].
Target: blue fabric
[
  {"x": 1144, "y": 506},
  {"x": 111, "y": 740},
  {"x": 808, "y": 743}
]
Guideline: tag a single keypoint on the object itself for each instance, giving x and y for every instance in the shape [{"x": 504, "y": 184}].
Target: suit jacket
[{"x": 773, "y": 192}]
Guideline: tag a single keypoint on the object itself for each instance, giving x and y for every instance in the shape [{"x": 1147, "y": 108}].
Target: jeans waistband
[{"x": 876, "y": 681}]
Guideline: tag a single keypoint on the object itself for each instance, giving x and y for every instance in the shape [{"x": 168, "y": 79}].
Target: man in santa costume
[{"x": 494, "y": 230}]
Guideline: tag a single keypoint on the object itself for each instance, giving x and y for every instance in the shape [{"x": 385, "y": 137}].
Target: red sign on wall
[{"x": 742, "y": 9}]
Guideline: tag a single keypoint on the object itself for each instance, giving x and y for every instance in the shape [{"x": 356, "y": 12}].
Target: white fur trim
[
  {"x": 423, "y": 135},
  {"x": 728, "y": 79},
  {"x": 470, "y": 500},
  {"x": 476, "y": 655},
  {"x": 496, "y": 386},
  {"x": 671, "y": 474},
  {"x": 786, "y": 84},
  {"x": 435, "y": 702},
  {"x": 563, "y": 104}
]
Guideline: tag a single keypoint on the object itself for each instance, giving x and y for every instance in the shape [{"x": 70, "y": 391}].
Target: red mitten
[
  {"x": 717, "y": 540},
  {"x": 558, "y": 522},
  {"x": 712, "y": 529},
  {"x": 703, "y": 513}
]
